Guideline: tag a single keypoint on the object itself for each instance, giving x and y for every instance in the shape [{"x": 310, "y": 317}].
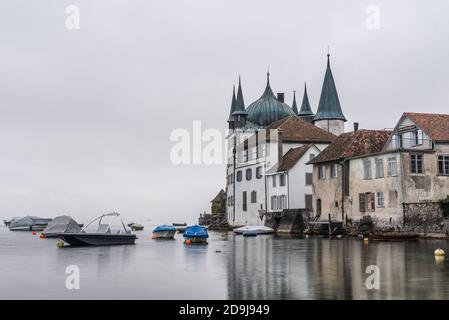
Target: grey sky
[{"x": 85, "y": 115}]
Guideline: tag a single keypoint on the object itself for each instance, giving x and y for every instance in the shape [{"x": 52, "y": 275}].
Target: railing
[{"x": 409, "y": 143}]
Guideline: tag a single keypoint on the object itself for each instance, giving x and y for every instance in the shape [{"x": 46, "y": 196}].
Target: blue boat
[
  {"x": 164, "y": 232},
  {"x": 196, "y": 234}
]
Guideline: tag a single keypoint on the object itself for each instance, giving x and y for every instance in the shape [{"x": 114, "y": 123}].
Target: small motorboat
[
  {"x": 103, "y": 236},
  {"x": 28, "y": 223},
  {"x": 249, "y": 233},
  {"x": 251, "y": 230},
  {"x": 195, "y": 234},
  {"x": 180, "y": 227},
  {"x": 394, "y": 236},
  {"x": 164, "y": 232},
  {"x": 61, "y": 224},
  {"x": 136, "y": 227}
]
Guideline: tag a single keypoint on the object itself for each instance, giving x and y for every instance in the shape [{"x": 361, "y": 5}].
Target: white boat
[
  {"x": 164, "y": 232},
  {"x": 251, "y": 230}
]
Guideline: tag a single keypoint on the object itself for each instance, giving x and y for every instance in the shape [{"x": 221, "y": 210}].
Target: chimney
[
  {"x": 280, "y": 146},
  {"x": 281, "y": 97},
  {"x": 356, "y": 126}
]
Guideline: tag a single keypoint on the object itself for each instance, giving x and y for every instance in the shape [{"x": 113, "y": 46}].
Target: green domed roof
[{"x": 268, "y": 108}]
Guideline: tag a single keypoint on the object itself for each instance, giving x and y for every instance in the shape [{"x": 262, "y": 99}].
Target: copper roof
[
  {"x": 436, "y": 126},
  {"x": 295, "y": 129},
  {"x": 353, "y": 144}
]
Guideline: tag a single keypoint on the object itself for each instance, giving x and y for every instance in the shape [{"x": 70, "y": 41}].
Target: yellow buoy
[
  {"x": 60, "y": 244},
  {"x": 439, "y": 252}
]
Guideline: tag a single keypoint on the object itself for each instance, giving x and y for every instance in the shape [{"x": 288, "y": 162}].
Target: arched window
[
  {"x": 239, "y": 175},
  {"x": 249, "y": 174}
]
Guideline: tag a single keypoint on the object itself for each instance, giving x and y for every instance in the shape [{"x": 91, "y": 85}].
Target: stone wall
[
  {"x": 424, "y": 217},
  {"x": 292, "y": 221}
]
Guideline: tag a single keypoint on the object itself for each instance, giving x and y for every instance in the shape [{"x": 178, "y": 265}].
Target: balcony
[{"x": 401, "y": 143}]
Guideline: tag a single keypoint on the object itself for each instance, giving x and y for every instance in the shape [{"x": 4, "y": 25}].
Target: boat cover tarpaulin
[
  {"x": 62, "y": 224},
  {"x": 164, "y": 228},
  {"x": 196, "y": 232},
  {"x": 28, "y": 221},
  {"x": 252, "y": 229}
]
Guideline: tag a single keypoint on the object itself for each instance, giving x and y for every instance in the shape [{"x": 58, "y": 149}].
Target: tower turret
[{"x": 329, "y": 115}]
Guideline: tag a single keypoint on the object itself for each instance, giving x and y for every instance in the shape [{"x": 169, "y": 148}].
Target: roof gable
[
  {"x": 435, "y": 125},
  {"x": 353, "y": 144},
  {"x": 295, "y": 129}
]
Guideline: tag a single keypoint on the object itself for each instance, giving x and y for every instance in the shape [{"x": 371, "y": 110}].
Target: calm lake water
[{"x": 233, "y": 267}]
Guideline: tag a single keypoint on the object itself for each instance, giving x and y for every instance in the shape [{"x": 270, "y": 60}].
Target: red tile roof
[
  {"x": 436, "y": 126},
  {"x": 353, "y": 144},
  {"x": 295, "y": 129}
]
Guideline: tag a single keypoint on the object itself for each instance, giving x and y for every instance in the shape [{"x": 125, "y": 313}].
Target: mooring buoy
[{"x": 439, "y": 252}]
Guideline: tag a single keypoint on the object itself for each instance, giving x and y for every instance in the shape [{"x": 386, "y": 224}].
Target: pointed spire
[
  {"x": 306, "y": 111},
  {"x": 329, "y": 105},
  {"x": 268, "y": 92},
  {"x": 233, "y": 104},
  {"x": 240, "y": 104},
  {"x": 294, "y": 106}
]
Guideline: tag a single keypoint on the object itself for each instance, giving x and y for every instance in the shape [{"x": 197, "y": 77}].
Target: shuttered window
[{"x": 362, "y": 202}]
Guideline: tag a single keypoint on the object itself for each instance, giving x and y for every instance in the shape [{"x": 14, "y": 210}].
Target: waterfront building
[
  {"x": 388, "y": 175},
  {"x": 289, "y": 185},
  {"x": 268, "y": 133}
]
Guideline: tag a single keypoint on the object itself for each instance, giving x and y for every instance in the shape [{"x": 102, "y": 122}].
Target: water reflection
[{"x": 318, "y": 268}]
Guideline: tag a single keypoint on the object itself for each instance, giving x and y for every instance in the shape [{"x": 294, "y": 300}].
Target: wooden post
[{"x": 330, "y": 228}]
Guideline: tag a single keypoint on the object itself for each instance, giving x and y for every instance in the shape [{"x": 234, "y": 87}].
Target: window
[
  {"x": 318, "y": 207},
  {"x": 245, "y": 205},
  {"x": 366, "y": 202},
  {"x": 282, "y": 203},
  {"x": 274, "y": 202},
  {"x": 392, "y": 167},
  {"x": 416, "y": 163},
  {"x": 362, "y": 202},
  {"x": 259, "y": 172},
  {"x": 239, "y": 176},
  {"x": 253, "y": 196},
  {"x": 443, "y": 165},
  {"x": 336, "y": 204},
  {"x": 379, "y": 168},
  {"x": 309, "y": 179},
  {"x": 282, "y": 179},
  {"x": 367, "y": 169},
  {"x": 322, "y": 172},
  {"x": 334, "y": 170},
  {"x": 308, "y": 198},
  {"x": 274, "y": 180},
  {"x": 311, "y": 156},
  {"x": 380, "y": 199},
  {"x": 418, "y": 137},
  {"x": 249, "y": 174}
]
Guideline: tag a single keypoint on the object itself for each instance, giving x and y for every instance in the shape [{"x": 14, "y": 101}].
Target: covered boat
[
  {"x": 253, "y": 230},
  {"x": 196, "y": 234},
  {"x": 103, "y": 236},
  {"x": 61, "y": 224},
  {"x": 164, "y": 232},
  {"x": 28, "y": 223}
]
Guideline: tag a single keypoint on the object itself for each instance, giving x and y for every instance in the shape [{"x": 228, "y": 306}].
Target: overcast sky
[{"x": 86, "y": 115}]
